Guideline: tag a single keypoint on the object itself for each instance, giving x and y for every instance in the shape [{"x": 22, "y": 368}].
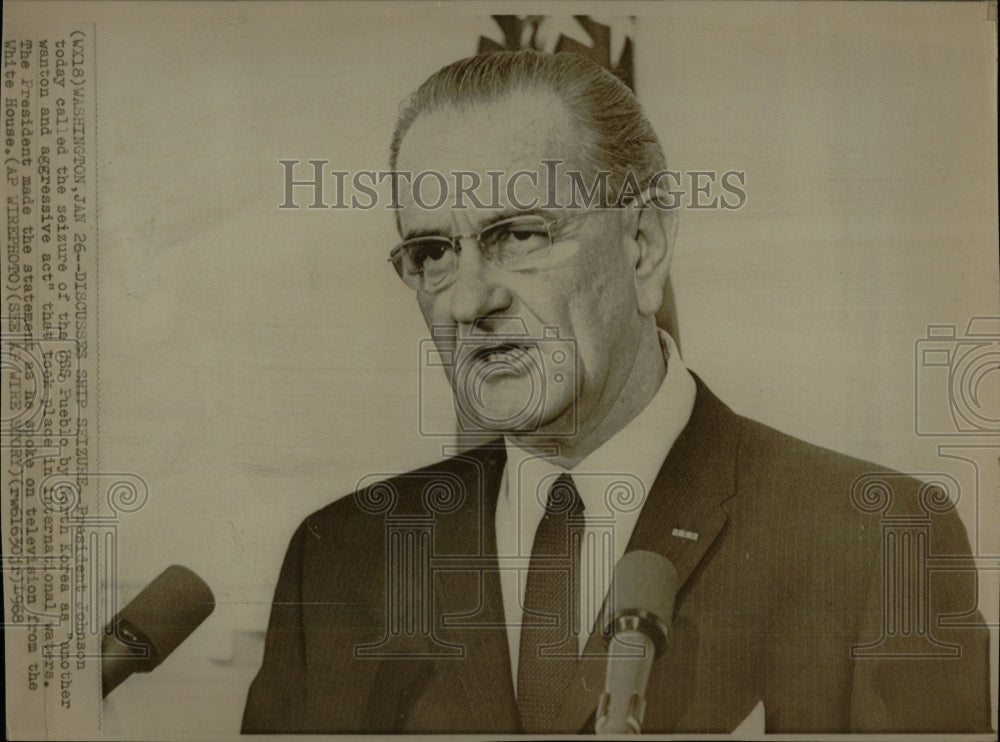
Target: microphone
[
  {"x": 636, "y": 625},
  {"x": 153, "y": 624}
]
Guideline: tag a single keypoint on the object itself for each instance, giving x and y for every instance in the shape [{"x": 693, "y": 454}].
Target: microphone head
[
  {"x": 166, "y": 612},
  {"x": 642, "y": 597}
]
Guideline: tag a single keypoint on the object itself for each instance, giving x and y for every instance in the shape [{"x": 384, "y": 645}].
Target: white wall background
[{"x": 256, "y": 363}]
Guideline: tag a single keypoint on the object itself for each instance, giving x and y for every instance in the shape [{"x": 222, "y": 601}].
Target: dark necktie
[{"x": 549, "y": 645}]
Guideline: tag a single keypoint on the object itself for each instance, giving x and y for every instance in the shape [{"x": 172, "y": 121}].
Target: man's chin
[
  {"x": 504, "y": 419},
  {"x": 497, "y": 421}
]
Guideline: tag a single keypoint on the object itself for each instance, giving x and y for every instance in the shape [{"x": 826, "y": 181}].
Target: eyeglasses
[{"x": 430, "y": 263}]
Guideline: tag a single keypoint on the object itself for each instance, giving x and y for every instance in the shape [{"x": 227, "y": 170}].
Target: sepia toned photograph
[{"x": 448, "y": 369}]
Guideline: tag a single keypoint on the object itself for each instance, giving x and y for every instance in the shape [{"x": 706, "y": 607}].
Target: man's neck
[{"x": 621, "y": 405}]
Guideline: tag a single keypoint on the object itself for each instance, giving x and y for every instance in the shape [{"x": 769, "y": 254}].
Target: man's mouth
[{"x": 515, "y": 357}]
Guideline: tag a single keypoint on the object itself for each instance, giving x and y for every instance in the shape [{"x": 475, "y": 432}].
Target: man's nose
[{"x": 475, "y": 294}]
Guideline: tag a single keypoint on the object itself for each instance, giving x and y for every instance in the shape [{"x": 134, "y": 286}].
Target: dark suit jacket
[{"x": 815, "y": 585}]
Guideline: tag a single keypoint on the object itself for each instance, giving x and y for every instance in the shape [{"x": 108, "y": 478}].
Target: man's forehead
[
  {"x": 514, "y": 132},
  {"x": 517, "y": 133}
]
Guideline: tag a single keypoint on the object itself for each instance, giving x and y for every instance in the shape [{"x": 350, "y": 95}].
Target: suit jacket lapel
[
  {"x": 684, "y": 512},
  {"x": 687, "y": 498}
]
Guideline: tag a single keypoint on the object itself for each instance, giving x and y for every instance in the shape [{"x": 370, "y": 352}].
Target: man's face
[{"x": 490, "y": 320}]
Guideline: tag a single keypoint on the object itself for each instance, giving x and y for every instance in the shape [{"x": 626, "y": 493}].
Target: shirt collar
[{"x": 639, "y": 449}]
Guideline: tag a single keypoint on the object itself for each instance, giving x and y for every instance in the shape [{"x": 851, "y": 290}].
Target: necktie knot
[{"x": 563, "y": 498}]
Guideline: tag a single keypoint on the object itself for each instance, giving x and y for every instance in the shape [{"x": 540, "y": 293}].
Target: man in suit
[{"x": 466, "y": 596}]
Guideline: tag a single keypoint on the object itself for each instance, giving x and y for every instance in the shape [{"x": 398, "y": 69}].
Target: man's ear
[{"x": 652, "y": 231}]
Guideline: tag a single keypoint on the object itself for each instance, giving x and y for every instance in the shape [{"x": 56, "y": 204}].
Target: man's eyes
[
  {"x": 516, "y": 239},
  {"x": 505, "y": 242},
  {"x": 424, "y": 252},
  {"x": 429, "y": 251},
  {"x": 521, "y": 234}
]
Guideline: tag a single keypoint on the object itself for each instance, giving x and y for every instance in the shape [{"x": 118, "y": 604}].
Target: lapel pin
[{"x": 681, "y": 533}]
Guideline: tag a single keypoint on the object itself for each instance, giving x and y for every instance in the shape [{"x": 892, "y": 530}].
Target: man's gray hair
[{"x": 612, "y": 124}]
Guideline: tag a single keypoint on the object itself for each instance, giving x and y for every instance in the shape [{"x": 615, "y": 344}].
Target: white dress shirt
[{"x": 613, "y": 482}]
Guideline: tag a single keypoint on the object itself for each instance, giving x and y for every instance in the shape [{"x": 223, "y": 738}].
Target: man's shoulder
[
  {"x": 761, "y": 451},
  {"x": 458, "y": 480},
  {"x": 765, "y": 449},
  {"x": 767, "y": 458},
  {"x": 809, "y": 484}
]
